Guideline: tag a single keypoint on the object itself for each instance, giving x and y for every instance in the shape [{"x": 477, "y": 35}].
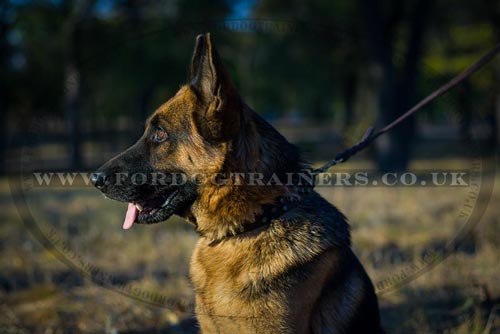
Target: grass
[{"x": 391, "y": 228}]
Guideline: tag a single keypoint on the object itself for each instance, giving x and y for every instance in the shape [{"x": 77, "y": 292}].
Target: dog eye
[{"x": 160, "y": 135}]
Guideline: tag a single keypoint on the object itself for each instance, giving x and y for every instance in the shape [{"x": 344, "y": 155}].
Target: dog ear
[{"x": 219, "y": 118}]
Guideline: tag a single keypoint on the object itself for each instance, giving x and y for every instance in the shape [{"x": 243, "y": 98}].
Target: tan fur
[
  {"x": 231, "y": 278},
  {"x": 230, "y": 203},
  {"x": 297, "y": 275}
]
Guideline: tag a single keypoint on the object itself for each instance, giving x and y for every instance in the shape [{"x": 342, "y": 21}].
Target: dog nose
[{"x": 99, "y": 179}]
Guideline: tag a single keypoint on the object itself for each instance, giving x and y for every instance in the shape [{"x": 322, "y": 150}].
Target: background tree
[
  {"x": 101, "y": 67},
  {"x": 4, "y": 78},
  {"x": 77, "y": 13},
  {"x": 396, "y": 84}
]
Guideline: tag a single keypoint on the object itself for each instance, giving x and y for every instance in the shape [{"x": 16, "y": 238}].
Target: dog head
[
  {"x": 204, "y": 130},
  {"x": 186, "y": 135}
]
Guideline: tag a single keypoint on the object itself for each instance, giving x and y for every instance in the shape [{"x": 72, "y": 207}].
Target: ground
[{"x": 90, "y": 276}]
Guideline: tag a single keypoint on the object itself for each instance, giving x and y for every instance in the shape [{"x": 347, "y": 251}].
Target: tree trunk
[
  {"x": 494, "y": 17},
  {"x": 349, "y": 94},
  {"x": 79, "y": 12},
  {"x": 398, "y": 153},
  {"x": 72, "y": 109},
  {"x": 135, "y": 22},
  {"x": 380, "y": 32},
  {"x": 4, "y": 95},
  {"x": 496, "y": 113},
  {"x": 395, "y": 95}
]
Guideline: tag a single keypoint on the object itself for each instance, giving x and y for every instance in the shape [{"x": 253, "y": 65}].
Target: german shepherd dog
[{"x": 272, "y": 257}]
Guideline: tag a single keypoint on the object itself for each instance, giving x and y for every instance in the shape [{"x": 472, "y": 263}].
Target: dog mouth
[{"x": 153, "y": 210}]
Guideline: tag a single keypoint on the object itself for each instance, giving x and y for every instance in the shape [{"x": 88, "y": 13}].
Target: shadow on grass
[
  {"x": 444, "y": 309},
  {"x": 186, "y": 326}
]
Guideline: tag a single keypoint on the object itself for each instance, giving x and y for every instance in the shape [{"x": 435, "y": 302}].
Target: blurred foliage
[
  {"x": 109, "y": 64},
  {"x": 126, "y": 48}
]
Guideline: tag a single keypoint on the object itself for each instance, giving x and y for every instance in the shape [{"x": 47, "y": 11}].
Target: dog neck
[
  {"x": 270, "y": 213},
  {"x": 227, "y": 210},
  {"x": 220, "y": 212}
]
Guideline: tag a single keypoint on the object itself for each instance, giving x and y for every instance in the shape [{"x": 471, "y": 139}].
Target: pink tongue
[{"x": 130, "y": 216}]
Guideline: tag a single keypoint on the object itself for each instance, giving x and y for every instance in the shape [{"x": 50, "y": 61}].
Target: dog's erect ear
[{"x": 219, "y": 119}]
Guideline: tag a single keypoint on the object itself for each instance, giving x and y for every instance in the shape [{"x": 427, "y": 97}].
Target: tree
[
  {"x": 78, "y": 13},
  {"x": 4, "y": 86},
  {"x": 397, "y": 86}
]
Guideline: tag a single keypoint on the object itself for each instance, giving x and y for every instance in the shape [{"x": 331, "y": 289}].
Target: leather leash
[
  {"x": 272, "y": 211},
  {"x": 370, "y": 135}
]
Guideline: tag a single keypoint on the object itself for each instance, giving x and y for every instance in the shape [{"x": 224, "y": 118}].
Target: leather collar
[{"x": 272, "y": 211}]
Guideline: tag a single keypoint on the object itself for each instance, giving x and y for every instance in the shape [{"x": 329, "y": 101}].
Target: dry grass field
[{"x": 101, "y": 279}]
